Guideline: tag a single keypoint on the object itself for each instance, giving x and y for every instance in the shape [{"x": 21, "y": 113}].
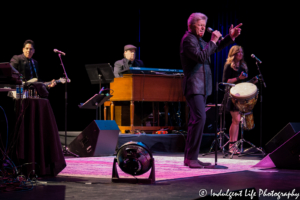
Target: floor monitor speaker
[
  {"x": 282, "y": 136},
  {"x": 99, "y": 138},
  {"x": 286, "y": 156}
]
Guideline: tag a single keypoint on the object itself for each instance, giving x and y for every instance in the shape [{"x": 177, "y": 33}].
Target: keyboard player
[{"x": 128, "y": 61}]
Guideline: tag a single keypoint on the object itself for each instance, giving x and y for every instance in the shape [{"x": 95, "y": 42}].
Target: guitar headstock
[{"x": 63, "y": 80}]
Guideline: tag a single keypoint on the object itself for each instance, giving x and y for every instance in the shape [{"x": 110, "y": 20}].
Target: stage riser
[{"x": 157, "y": 143}]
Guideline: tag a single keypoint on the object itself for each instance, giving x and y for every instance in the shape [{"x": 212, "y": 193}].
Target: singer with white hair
[{"x": 197, "y": 82}]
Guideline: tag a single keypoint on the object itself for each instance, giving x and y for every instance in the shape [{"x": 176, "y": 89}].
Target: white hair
[{"x": 194, "y": 17}]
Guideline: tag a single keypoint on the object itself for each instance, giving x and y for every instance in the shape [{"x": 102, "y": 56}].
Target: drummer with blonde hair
[{"x": 235, "y": 71}]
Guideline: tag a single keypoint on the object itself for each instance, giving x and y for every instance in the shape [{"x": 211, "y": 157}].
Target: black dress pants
[{"x": 196, "y": 124}]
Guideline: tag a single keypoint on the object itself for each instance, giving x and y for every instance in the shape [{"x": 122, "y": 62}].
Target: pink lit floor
[{"x": 165, "y": 167}]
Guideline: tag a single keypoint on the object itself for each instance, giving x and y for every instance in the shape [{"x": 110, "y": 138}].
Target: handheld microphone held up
[
  {"x": 60, "y": 52},
  {"x": 210, "y": 30},
  {"x": 230, "y": 84},
  {"x": 256, "y": 58}
]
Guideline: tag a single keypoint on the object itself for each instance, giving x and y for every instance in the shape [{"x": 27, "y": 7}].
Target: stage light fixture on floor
[{"x": 134, "y": 158}]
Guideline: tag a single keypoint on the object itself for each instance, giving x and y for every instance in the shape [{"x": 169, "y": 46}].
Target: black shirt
[{"x": 229, "y": 73}]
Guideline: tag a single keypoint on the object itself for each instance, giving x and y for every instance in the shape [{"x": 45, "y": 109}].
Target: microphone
[
  {"x": 60, "y": 52},
  {"x": 230, "y": 84},
  {"x": 210, "y": 30},
  {"x": 256, "y": 58}
]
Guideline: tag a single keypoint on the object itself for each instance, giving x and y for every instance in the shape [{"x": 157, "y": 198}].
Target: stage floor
[
  {"x": 166, "y": 167},
  {"x": 90, "y": 178}
]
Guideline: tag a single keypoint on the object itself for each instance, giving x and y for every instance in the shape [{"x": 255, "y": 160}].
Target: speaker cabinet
[
  {"x": 286, "y": 156},
  {"x": 99, "y": 138},
  {"x": 282, "y": 136}
]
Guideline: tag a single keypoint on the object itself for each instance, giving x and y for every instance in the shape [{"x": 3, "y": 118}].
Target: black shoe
[
  {"x": 201, "y": 163},
  {"x": 204, "y": 163},
  {"x": 193, "y": 164}
]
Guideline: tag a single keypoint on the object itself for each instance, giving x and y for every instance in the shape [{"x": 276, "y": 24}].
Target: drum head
[{"x": 243, "y": 90}]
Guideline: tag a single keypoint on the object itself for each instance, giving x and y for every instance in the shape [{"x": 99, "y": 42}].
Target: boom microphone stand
[{"x": 65, "y": 150}]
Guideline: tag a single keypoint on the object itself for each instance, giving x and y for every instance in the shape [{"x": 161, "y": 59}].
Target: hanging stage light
[{"x": 134, "y": 158}]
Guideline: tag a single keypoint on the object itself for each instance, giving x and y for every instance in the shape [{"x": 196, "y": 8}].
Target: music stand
[
  {"x": 98, "y": 74},
  {"x": 94, "y": 102}
]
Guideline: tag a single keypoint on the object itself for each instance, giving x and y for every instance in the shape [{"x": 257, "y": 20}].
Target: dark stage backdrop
[{"x": 90, "y": 34}]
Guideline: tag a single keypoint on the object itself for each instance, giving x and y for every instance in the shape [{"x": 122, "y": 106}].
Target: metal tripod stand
[
  {"x": 221, "y": 133},
  {"x": 235, "y": 147}
]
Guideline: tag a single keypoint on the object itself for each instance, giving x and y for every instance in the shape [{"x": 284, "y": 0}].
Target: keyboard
[{"x": 146, "y": 70}]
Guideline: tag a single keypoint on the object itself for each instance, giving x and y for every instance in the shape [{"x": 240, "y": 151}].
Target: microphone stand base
[
  {"x": 216, "y": 167},
  {"x": 66, "y": 152}
]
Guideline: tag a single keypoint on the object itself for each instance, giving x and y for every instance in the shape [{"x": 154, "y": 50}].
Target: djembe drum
[{"x": 244, "y": 96}]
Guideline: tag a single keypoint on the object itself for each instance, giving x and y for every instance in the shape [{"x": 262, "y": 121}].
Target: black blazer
[
  {"x": 20, "y": 63},
  {"x": 196, "y": 63},
  {"x": 122, "y": 65}
]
